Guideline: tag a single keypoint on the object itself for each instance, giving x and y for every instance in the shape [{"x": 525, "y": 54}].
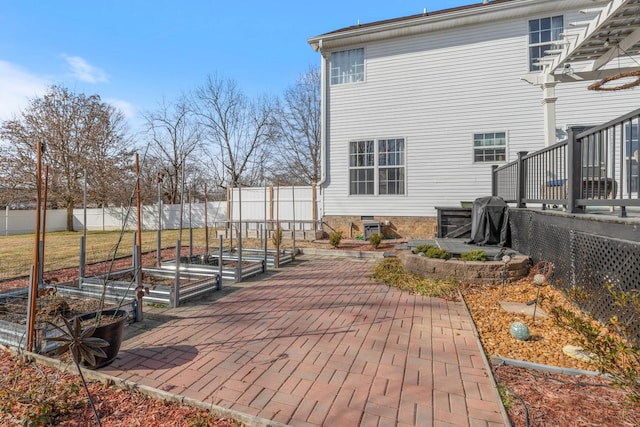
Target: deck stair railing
[{"x": 593, "y": 167}]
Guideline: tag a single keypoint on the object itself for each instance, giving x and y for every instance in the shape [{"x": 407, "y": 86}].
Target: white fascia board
[{"x": 481, "y": 14}]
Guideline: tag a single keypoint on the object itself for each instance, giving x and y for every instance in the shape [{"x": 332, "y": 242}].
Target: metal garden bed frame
[
  {"x": 188, "y": 284},
  {"x": 15, "y": 334}
]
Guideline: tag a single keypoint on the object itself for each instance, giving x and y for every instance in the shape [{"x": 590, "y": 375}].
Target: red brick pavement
[{"x": 320, "y": 344}]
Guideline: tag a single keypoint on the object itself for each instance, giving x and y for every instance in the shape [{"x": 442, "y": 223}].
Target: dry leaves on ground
[{"x": 33, "y": 394}]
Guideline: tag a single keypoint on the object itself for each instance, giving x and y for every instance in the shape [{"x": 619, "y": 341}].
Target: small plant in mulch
[
  {"x": 375, "y": 239},
  {"x": 474, "y": 255},
  {"x": 431, "y": 251},
  {"x": 391, "y": 272},
  {"x": 610, "y": 347},
  {"x": 334, "y": 238}
]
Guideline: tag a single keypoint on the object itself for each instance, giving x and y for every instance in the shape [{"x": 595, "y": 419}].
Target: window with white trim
[
  {"x": 542, "y": 33},
  {"x": 489, "y": 147},
  {"x": 377, "y": 167},
  {"x": 347, "y": 66}
]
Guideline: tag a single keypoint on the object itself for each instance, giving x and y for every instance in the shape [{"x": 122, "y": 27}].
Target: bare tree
[
  {"x": 78, "y": 133},
  {"x": 298, "y": 124},
  {"x": 175, "y": 136},
  {"x": 239, "y": 131}
]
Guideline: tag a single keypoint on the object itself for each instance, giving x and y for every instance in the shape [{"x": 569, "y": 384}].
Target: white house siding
[{"x": 436, "y": 91}]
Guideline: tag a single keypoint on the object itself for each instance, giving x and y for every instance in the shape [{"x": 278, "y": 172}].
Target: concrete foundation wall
[{"x": 393, "y": 227}]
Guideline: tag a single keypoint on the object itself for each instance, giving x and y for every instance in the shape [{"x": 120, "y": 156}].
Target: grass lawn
[{"x": 62, "y": 249}]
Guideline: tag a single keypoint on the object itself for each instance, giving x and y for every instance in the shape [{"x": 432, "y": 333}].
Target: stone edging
[
  {"x": 249, "y": 420},
  {"x": 486, "y": 273},
  {"x": 342, "y": 253},
  {"x": 487, "y": 365},
  {"x": 546, "y": 368}
]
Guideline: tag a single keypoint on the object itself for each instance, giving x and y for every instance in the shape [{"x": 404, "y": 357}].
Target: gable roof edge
[{"x": 442, "y": 20}]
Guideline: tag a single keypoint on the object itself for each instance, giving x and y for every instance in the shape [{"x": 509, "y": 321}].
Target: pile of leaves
[{"x": 392, "y": 272}]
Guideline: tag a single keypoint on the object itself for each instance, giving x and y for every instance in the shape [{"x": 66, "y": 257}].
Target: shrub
[
  {"x": 276, "y": 238},
  {"x": 375, "y": 239},
  {"x": 431, "y": 251},
  {"x": 437, "y": 253},
  {"x": 422, "y": 248},
  {"x": 334, "y": 238},
  {"x": 612, "y": 346},
  {"x": 475, "y": 255}
]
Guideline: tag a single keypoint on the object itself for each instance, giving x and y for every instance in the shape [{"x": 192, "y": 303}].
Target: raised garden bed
[
  {"x": 67, "y": 301},
  {"x": 253, "y": 263},
  {"x": 479, "y": 272},
  {"x": 159, "y": 283}
]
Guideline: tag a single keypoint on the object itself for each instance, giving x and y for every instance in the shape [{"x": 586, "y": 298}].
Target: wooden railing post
[{"x": 521, "y": 183}]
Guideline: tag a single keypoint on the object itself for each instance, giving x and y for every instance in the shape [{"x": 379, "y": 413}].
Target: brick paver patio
[{"x": 319, "y": 344}]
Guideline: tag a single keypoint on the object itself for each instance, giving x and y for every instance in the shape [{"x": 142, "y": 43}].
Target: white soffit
[{"x": 614, "y": 32}]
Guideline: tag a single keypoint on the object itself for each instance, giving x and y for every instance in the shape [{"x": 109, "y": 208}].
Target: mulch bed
[
  {"x": 542, "y": 399},
  {"x": 33, "y": 394},
  {"x": 536, "y": 398}
]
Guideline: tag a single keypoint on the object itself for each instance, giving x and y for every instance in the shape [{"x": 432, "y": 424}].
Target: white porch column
[{"x": 549, "y": 103}]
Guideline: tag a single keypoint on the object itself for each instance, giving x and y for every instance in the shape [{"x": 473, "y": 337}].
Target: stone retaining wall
[{"x": 487, "y": 273}]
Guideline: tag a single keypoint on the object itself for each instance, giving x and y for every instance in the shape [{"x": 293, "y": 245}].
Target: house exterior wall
[{"x": 436, "y": 90}]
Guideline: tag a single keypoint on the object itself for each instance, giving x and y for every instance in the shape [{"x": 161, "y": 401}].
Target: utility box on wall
[{"x": 370, "y": 228}]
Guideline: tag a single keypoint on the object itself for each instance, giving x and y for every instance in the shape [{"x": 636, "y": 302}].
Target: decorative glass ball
[{"x": 519, "y": 331}]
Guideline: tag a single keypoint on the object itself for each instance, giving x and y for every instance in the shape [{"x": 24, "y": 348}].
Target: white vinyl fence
[
  {"x": 294, "y": 208},
  {"x": 114, "y": 218}
]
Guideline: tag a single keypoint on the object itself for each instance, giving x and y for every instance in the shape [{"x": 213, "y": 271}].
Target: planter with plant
[
  {"x": 430, "y": 251},
  {"x": 474, "y": 255},
  {"x": 334, "y": 238},
  {"x": 375, "y": 239}
]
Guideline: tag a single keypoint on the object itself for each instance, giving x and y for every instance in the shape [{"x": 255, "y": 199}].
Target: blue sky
[{"x": 133, "y": 53}]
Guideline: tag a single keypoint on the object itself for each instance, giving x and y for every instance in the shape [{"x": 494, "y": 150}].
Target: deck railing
[{"x": 595, "y": 167}]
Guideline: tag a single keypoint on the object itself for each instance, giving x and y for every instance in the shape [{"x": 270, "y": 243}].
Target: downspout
[
  {"x": 324, "y": 122},
  {"x": 323, "y": 115}
]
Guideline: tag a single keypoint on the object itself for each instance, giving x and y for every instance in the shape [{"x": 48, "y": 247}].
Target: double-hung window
[
  {"x": 347, "y": 66},
  {"x": 490, "y": 147},
  {"x": 542, "y": 33},
  {"x": 377, "y": 167}
]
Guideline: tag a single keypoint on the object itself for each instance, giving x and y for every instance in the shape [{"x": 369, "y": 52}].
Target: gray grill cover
[{"x": 490, "y": 221}]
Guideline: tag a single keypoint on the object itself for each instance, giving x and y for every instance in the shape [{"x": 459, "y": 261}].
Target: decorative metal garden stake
[
  {"x": 538, "y": 279},
  {"x": 504, "y": 276}
]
